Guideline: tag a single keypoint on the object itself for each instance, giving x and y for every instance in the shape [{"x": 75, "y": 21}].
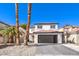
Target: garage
[{"x": 47, "y": 38}]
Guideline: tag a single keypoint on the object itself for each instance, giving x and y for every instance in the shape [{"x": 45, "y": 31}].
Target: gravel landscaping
[{"x": 16, "y": 50}]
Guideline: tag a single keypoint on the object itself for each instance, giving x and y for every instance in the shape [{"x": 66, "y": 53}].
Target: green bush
[{"x": 23, "y": 26}]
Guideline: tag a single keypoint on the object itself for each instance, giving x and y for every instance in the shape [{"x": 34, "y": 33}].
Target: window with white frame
[
  {"x": 40, "y": 26},
  {"x": 52, "y": 26}
]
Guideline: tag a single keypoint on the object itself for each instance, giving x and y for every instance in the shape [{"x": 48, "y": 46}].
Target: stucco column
[
  {"x": 65, "y": 39},
  {"x": 59, "y": 38},
  {"x": 77, "y": 39},
  {"x": 35, "y": 39}
]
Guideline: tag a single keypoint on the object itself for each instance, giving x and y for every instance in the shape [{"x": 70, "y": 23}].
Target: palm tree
[
  {"x": 5, "y": 35},
  {"x": 28, "y": 25},
  {"x": 17, "y": 26},
  {"x": 12, "y": 34},
  {"x": 8, "y": 34}
]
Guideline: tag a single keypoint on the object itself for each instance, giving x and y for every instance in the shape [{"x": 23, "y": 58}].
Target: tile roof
[
  {"x": 47, "y": 31},
  {"x": 45, "y": 23}
]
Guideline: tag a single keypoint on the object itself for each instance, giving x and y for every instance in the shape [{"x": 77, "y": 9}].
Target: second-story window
[
  {"x": 52, "y": 26},
  {"x": 40, "y": 26}
]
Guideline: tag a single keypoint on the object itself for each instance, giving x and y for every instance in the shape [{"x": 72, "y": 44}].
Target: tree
[
  {"x": 12, "y": 33},
  {"x": 23, "y": 26},
  {"x": 17, "y": 26},
  {"x": 5, "y": 35},
  {"x": 28, "y": 25},
  {"x": 8, "y": 34}
]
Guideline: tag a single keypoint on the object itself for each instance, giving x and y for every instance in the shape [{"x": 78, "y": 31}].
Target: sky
[{"x": 62, "y": 13}]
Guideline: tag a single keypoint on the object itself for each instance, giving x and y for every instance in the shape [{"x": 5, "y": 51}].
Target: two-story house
[{"x": 45, "y": 33}]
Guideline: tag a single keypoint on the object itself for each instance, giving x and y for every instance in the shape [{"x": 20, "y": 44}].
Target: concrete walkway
[{"x": 72, "y": 46}]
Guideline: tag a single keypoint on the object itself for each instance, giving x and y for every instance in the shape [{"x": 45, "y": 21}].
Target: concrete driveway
[
  {"x": 54, "y": 49},
  {"x": 37, "y": 50}
]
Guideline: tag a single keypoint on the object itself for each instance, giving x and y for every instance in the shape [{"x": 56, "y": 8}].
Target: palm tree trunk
[
  {"x": 28, "y": 25},
  {"x": 11, "y": 39},
  {"x": 17, "y": 26}
]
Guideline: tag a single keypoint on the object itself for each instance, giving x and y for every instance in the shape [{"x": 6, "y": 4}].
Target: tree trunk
[
  {"x": 11, "y": 39},
  {"x": 17, "y": 26},
  {"x": 28, "y": 25}
]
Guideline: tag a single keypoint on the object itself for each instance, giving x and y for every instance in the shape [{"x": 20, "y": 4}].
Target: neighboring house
[
  {"x": 46, "y": 33},
  {"x": 71, "y": 34},
  {"x": 3, "y": 25}
]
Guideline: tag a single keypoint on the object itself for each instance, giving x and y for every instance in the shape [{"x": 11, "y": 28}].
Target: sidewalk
[{"x": 72, "y": 46}]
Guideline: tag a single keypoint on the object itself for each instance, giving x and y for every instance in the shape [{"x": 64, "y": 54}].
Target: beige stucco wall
[
  {"x": 35, "y": 38},
  {"x": 73, "y": 38},
  {"x": 30, "y": 37},
  {"x": 1, "y": 39}
]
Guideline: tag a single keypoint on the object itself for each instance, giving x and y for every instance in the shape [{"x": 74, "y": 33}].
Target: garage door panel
[{"x": 46, "y": 38}]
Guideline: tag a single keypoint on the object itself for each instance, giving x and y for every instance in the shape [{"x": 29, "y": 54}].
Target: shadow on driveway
[
  {"x": 43, "y": 44},
  {"x": 5, "y": 46}
]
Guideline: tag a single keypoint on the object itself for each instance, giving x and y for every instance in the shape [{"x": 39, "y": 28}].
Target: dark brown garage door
[{"x": 47, "y": 39}]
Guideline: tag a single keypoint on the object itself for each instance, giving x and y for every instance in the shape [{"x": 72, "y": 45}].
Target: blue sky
[{"x": 62, "y": 13}]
